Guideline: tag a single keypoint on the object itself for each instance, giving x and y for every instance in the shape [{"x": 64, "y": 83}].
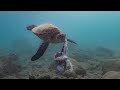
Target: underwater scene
[{"x": 59, "y": 45}]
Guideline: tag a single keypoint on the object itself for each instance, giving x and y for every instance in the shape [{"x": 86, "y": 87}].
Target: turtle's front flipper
[
  {"x": 71, "y": 41},
  {"x": 40, "y": 51}
]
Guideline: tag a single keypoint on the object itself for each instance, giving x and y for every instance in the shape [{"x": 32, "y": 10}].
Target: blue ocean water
[{"x": 88, "y": 28}]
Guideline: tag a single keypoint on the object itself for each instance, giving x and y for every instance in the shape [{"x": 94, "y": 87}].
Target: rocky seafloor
[{"x": 101, "y": 63}]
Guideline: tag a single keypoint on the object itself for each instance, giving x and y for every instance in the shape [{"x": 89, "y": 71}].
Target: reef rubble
[
  {"x": 9, "y": 65},
  {"x": 97, "y": 64}
]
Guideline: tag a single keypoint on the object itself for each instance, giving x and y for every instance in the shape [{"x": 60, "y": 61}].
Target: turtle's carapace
[{"x": 47, "y": 32}]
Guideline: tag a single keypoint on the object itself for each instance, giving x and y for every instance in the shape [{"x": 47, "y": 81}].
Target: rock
[
  {"x": 44, "y": 74},
  {"x": 77, "y": 68},
  {"x": 85, "y": 65},
  {"x": 94, "y": 65},
  {"x": 58, "y": 77},
  {"x": 10, "y": 77},
  {"x": 9, "y": 65},
  {"x": 52, "y": 66},
  {"x": 24, "y": 73},
  {"x": 31, "y": 77},
  {"x": 113, "y": 65},
  {"x": 36, "y": 73},
  {"x": 111, "y": 75},
  {"x": 93, "y": 75},
  {"x": 69, "y": 74}
]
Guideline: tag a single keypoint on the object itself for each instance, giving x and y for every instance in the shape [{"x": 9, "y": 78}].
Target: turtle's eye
[{"x": 61, "y": 37}]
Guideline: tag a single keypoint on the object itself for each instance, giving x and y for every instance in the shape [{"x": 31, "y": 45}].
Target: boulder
[
  {"x": 111, "y": 75},
  {"x": 113, "y": 65},
  {"x": 77, "y": 68}
]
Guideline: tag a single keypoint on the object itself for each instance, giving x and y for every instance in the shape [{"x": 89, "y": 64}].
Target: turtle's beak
[{"x": 30, "y": 27}]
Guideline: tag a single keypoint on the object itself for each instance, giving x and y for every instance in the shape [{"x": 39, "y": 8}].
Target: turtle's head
[
  {"x": 30, "y": 27},
  {"x": 61, "y": 36}
]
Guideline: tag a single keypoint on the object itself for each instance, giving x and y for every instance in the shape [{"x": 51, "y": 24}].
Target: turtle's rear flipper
[
  {"x": 71, "y": 41},
  {"x": 40, "y": 51}
]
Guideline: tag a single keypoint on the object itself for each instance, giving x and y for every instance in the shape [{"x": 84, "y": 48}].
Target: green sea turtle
[{"x": 49, "y": 33}]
